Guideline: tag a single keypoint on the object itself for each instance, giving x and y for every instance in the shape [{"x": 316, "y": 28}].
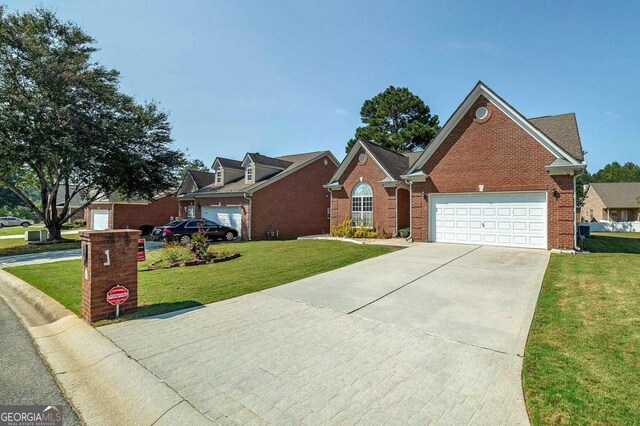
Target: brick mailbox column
[{"x": 108, "y": 259}]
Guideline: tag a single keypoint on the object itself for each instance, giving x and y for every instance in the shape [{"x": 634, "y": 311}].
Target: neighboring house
[
  {"x": 77, "y": 201},
  {"x": 263, "y": 197},
  {"x": 615, "y": 202},
  {"x": 489, "y": 177},
  {"x": 116, "y": 212}
]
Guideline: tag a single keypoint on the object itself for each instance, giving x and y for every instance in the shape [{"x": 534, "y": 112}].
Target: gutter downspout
[
  {"x": 250, "y": 214},
  {"x": 410, "y": 237},
  {"x": 575, "y": 210},
  {"x": 330, "y": 208},
  {"x": 397, "y": 230}
]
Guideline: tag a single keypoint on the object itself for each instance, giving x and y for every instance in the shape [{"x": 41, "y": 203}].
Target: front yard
[
  {"x": 582, "y": 362},
  {"x": 263, "y": 264},
  {"x": 16, "y": 246}
]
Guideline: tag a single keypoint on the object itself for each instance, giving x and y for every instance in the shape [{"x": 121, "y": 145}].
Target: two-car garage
[{"x": 511, "y": 219}]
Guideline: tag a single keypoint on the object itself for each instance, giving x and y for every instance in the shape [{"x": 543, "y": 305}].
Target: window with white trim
[
  {"x": 362, "y": 206},
  {"x": 249, "y": 173},
  {"x": 191, "y": 212},
  {"x": 218, "y": 177},
  {"x": 624, "y": 216}
]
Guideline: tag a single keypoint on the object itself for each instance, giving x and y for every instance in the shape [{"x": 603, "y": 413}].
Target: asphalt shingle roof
[
  {"x": 269, "y": 161},
  {"x": 229, "y": 163},
  {"x": 394, "y": 163},
  {"x": 563, "y": 130},
  {"x": 619, "y": 194},
  {"x": 289, "y": 162},
  {"x": 203, "y": 179}
]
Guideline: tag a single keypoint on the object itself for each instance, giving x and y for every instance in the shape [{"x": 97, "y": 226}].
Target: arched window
[{"x": 362, "y": 205}]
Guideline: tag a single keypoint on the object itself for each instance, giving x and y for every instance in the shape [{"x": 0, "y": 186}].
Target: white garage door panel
[
  {"x": 227, "y": 216},
  {"x": 99, "y": 220},
  {"x": 502, "y": 219}
]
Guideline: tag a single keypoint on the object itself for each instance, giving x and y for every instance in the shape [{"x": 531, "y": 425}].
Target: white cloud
[
  {"x": 612, "y": 114},
  {"x": 340, "y": 111}
]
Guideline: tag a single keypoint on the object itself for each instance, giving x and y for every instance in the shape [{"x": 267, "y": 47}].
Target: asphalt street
[{"x": 24, "y": 378}]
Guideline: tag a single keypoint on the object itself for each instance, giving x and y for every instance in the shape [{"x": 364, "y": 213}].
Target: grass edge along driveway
[
  {"x": 263, "y": 264},
  {"x": 582, "y": 360}
]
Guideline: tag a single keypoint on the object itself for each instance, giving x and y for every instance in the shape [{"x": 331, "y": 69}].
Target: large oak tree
[
  {"x": 396, "y": 119},
  {"x": 65, "y": 124}
]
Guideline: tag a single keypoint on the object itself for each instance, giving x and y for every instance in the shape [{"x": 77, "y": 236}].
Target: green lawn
[
  {"x": 582, "y": 362},
  {"x": 18, "y": 230},
  {"x": 16, "y": 246},
  {"x": 263, "y": 264},
  {"x": 613, "y": 242}
]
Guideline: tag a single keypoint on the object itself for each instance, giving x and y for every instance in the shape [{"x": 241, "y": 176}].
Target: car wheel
[
  {"x": 185, "y": 239},
  {"x": 228, "y": 236},
  {"x": 25, "y": 224}
]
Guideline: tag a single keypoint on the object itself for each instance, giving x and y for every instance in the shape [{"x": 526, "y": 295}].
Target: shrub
[
  {"x": 346, "y": 229},
  {"x": 199, "y": 243},
  {"x": 175, "y": 253},
  {"x": 218, "y": 251},
  {"x": 343, "y": 229}
]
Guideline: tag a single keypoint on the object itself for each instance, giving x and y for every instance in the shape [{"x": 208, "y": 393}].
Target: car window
[
  {"x": 211, "y": 224},
  {"x": 174, "y": 223},
  {"x": 192, "y": 224}
]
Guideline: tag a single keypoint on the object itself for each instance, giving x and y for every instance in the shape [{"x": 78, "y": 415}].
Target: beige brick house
[{"x": 615, "y": 202}]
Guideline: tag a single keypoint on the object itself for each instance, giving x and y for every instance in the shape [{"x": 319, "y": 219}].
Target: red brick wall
[
  {"x": 221, "y": 202},
  {"x": 98, "y": 278},
  {"x": 384, "y": 207},
  {"x": 295, "y": 205},
  {"x": 499, "y": 154},
  {"x": 132, "y": 216}
]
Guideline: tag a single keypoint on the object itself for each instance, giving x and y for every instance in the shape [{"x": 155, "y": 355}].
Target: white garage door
[
  {"x": 99, "y": 220},
  {"x": 227, "y": 216},
  {"x": 498, "y": 219}
]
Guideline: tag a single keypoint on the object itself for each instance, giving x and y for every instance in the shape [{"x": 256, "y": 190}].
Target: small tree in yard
[{"x": 65, "y": 124}]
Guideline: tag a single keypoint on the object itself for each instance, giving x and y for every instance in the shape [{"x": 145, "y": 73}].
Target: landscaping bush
[
  {"x": 218, "y": 251},
  {"x": 199, "y": 244},
  {"x": 175, "y": 253},
  {"x": 346, "y": 229}
]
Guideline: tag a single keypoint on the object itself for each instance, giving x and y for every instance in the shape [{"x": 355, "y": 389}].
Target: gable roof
[
  {"x": 263, "y": 160},
  {"x": 77, "y": 200},
  {"x": 563, "y": 130},
  {"x": 228, "y": 163},
  {"x": 481, "y": 89},
  {"x": 202, "y": 179},
  {"x": 238, "y": 187},
  {"x": 392, "y": 163},
  {"x": 618, "y": 194}
]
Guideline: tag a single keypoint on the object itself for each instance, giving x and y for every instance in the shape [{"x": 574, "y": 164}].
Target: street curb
[{"x": 102, "y": 384}]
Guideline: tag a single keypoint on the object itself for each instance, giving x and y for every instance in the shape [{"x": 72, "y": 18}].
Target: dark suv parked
[{"x": 181, "y": 231}]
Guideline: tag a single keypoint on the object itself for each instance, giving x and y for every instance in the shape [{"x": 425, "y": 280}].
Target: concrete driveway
[
  {"x": 479, "y": 295},
  {"x": 429, "y": 334}
]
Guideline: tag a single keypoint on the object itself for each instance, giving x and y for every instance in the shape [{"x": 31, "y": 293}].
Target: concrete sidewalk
[
  {"x": 54, "y": 256},
  {"x": 102, "y": 383}
]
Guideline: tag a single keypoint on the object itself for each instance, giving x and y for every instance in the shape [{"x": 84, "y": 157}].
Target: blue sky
[{"x": 281, "y": 77}]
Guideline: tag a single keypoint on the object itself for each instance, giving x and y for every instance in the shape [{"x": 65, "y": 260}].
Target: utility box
[
  {"x": 109, "y": 259},
  {"x": 44, "y": 235},
  {"x": 32, "y": 236}
]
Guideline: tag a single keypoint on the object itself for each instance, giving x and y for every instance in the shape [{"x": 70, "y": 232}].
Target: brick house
[
  {"x": 263, "y": 197},
  {"x": 490, "y": 177},
  {"x": 116, "y": 212},
  {"x": 615, "y": 202},
  {"x": 368, "y": 188}
]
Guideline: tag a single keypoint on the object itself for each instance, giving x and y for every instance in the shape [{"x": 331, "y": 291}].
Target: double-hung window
[
  {"x": 249, "y": 173},
  {"x": 218, "y": 177},
  {"x": 362, "y": 206}
]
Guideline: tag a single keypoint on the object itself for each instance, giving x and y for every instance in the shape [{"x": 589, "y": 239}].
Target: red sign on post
[
  {"x": 142, "y": 250},
  {"x": 117, "y": 295}
]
